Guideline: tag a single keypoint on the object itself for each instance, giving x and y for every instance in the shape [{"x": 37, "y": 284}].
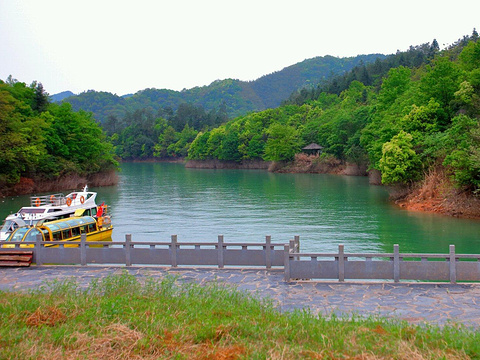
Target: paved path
[{"x": 413, "y": 302}]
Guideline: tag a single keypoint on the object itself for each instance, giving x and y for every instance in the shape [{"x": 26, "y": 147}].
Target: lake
[{"x": 155, "y": 200}]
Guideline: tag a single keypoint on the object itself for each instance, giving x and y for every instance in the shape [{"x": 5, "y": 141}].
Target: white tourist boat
[{"x": 49, "y": 208}]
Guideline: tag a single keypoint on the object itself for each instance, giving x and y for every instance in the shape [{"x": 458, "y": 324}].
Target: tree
[
  {"x": 394, "y": 85},
  {"x": 282, "y": 143},
  {"x": 198, "y": 149},
  {"x": 165, "y": 139},
  {"x": 74, "y": 137},
  {"x": 461, "y": 146},
  {"x": 229, "y": 148},
  {"x": 40, "y": 99},
  {"x": 399, "y": 163},
  {"x": 440, "y": 82},
  {"x": 21, "y": 138}
]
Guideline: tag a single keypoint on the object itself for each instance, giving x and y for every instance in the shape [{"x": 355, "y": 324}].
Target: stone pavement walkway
[{"x": 414, "y": 302}]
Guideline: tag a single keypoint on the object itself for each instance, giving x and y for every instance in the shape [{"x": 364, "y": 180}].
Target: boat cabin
[{"x": 60, "y": 230}]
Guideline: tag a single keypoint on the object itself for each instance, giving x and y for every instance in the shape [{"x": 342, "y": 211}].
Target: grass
[{"x": 121, "y": 318}]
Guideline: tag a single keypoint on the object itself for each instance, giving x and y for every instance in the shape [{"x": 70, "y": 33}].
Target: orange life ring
[
  {"x": 82, "y": 199},
  {"x": 69, "y": 201},
  {"x": 37, "y": 202},
  {"x": 52, "y": 198}
]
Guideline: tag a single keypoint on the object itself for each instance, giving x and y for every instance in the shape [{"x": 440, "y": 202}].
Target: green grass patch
[{"x": 121, "y": 318}]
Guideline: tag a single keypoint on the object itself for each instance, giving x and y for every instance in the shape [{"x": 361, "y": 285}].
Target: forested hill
[
  {"x": 414, "y": 117},
  {"x": 235, "y": 96}
]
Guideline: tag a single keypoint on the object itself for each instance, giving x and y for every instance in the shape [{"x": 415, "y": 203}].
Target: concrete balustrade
[
  {"x": 394, "y": 266},
  {"x": 339, "y": 266}
]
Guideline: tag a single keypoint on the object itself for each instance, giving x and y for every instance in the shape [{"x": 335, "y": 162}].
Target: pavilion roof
[{"x": 313, "y": 146}]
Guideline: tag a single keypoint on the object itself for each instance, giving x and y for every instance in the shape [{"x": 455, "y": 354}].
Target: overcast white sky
[{"x": 125, "y": 46}]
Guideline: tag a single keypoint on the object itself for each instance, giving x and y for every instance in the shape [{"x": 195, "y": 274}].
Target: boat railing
[{"x": 52, "y": 199}]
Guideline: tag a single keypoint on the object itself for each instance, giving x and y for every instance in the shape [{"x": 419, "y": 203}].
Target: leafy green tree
[
  {"x": 180, "y": 148},
  {"x": 198, "y": 149},
  {"x": 399, "y": 163},
  {"x": 76, "y": 138},
  {"x": 229, "y": 148},
  {"x": 440, "y": 82},
  {"x": 469, "y": 58},
  {"x": 423, "y": 119},
  {"x": 21, "y": 138},
  {"x": 397, "y": 81},
  {"x": 214, "y": 142},
  {"x": 282, "y": 143},
  {"x": 461, "y": 147},
  {"x": 255, "y": 148},
  {"x": 165, "y": 139}
]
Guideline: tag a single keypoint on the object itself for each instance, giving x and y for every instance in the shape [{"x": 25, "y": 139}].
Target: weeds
[{"x": 121, "y": 317}]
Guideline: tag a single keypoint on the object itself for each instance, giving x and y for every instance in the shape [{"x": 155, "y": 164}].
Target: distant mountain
[
  {"x": 60, "y": 96},
  {"x": 238, "y": 97}
]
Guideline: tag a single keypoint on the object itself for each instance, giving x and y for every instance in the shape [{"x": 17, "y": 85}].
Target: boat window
[
  {"x": 32, "y": 235},
  {"x": 57, "y": 236},
  {"x": 75, "y": 231},
  {"x": 66, "y": 234},
  {"x": 8, "y": 226},
  {"x": 31, "y": 210},
  {"x": 17, "y": 235},
  {"x": 46, "y": 234},
  {"x": 53, "y": 227},
  {"x": 91, "y": 227}
]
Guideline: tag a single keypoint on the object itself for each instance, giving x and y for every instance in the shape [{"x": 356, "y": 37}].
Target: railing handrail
[{"x": 382, "y": 255}]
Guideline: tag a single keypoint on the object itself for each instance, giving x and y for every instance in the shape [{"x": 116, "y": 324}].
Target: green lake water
[{"x": 155, "y": 200}]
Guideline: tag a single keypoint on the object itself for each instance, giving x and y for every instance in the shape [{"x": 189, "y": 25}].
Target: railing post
[
  {"x": 268, "y": 251},
  {"x": 453, "y": 265},
  {"x": 83, "y": 250},
  {"x": 314, "y": 266},
  {"x": 291, "y": 244},
  {"x": 38, "y": 250},
  {"x": 286, "y": 262},
  {"x": 173, "y": 251},
  {"x": 396, "y": 263},
  {"x": 341, "y": 263},
  {"x": 128, "y": 248},
  {"x": 220, "y": 252},
  {"x": 296, "y": 240}
]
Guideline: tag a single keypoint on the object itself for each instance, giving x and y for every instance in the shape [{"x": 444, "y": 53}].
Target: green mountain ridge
[{"x": 236, "y": 96}]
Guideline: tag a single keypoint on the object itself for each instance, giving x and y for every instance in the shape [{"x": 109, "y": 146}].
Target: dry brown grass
[
  {"x": 436, "y": 193},
  {"x": 50, "y": 316},
  {"x": 119, "y": 341}
]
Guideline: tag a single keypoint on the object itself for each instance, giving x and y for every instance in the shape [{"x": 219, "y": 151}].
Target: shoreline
[{"x": 28, "y": 186}]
